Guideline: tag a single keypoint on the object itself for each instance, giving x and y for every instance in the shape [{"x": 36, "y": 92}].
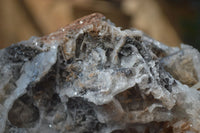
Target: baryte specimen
[{"x": 93, "y": 77}]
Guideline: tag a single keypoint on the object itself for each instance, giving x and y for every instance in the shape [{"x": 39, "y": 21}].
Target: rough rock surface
[{"x": 93, "y": 77}]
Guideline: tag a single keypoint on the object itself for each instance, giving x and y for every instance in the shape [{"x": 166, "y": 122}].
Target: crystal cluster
[{"x": 93, "y": 77}]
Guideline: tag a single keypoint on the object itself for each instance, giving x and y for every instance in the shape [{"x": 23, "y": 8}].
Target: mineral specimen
[{"x": 93, "y": 77}]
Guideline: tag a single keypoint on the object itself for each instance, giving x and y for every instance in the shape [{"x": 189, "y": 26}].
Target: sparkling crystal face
[
  {"x": 102, "y": 66},
  {"x": 94, "y": 77}
]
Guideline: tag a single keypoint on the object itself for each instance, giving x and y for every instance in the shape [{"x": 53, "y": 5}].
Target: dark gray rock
[{"x": 93, "y": 77}]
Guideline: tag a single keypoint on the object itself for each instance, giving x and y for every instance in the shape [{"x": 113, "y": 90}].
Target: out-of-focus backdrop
[{"x": 170, "y": 21}]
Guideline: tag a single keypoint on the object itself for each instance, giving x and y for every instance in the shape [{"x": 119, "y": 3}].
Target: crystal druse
[{"x": 93, "y": 77}]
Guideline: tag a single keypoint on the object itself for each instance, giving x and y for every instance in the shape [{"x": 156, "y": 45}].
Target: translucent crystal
[{"x": 94, "y": 77}]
